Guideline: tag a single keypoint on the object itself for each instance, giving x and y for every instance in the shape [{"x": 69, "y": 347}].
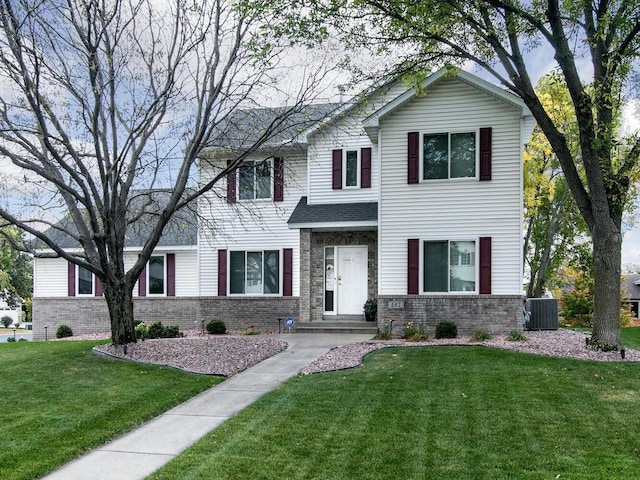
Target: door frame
[{"x": 336, "y": 272}]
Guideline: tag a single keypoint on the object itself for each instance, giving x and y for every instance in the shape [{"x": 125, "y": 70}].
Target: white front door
[{"x": 351, "y": 279}]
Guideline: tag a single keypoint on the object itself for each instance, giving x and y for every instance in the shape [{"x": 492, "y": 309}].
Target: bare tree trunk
[
  {"x": 119, "y": 297},
  {"x": 607, "y": 250}
]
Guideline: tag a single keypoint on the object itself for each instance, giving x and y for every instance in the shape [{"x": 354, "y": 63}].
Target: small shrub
[
  {"x": 216, "y": 327},
  {"x": 251, "y": 330},
  {"x": 516, "y": 336},
  {"x": 64, "y": 331},
  {"x": 171, "y": 332},
  {"x": 414, "y": 333},
  {"x": 11, "y": 340},
  {"x": 156, "y": 330},
  {"x": 370, "y": 309},
  {"x": 23, "y": 340},
  {"x": 141, "y": 330},
  {"x": 480, "y": 336},
  {"x": 6, "y": 321},
  {"x": 446, "y": 330}
]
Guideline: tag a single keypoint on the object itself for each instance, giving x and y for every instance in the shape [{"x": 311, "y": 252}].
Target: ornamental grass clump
[
  {"x": 250, "y": 330},
  {"x": 384, "y": 333},
  {"x": 480, "y": 336},
  {"x": 516, "y": 336},
  {"x": 446, "y": 330},
  {"x": 414, "y": 333}
]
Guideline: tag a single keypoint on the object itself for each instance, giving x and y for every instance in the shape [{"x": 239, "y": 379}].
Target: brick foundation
[
  {"x": 90, "y": 315},
  {"x": 492, "y": 313}
]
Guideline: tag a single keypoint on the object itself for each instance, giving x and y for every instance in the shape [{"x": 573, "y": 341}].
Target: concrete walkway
[{"x": 139, "y": 453}]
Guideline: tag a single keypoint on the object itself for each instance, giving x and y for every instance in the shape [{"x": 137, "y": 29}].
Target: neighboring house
[
  {"x": 411, "y": 198},
  {"x": 631, "y": 289}
]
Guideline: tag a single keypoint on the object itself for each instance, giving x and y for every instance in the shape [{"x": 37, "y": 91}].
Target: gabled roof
[
  {"x": 334, "y": 215},
  {"x": 244, "y": 127},
  {"x": 373, "y": 121},
  {"x": 181, "y": 231},
  {"x": 632, "y": 285}
]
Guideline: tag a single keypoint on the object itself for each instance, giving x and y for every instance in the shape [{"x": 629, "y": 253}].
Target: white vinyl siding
[
  {"x": 348, "y": 136},
  {"x": 455, "y": 208},
  {"x": 250, "y": 226},
  {"x": 49, "y": 277}
]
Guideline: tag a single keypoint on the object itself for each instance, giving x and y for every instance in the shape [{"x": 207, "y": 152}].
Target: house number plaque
[{"x": 396, "y": 304}]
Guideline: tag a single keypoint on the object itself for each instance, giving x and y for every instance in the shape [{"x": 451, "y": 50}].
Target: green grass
[
  {"x": 631, "y": 337},
  {"x": 58, "y": 400},
  {"x": 434, "y": 412}
]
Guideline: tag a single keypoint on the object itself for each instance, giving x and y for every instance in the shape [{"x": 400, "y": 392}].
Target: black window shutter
[
  {"x": 336, "y": 169},
  {"x": 171, "y": 274},
  {"x": 413, "y": 157},
  {"x": 287, "y": 272},
  {"x": 222, "y": 273},
  {"x": 413, "y": 266},
  {"x": 485, "y": 154},
  {"x": 278, "y": 180},
  {"x": 365, "y": 167},
  {"x": 71, "y": 279},
  {"x": 231, "y": 184},
  {"x": 485, "y": 265}
]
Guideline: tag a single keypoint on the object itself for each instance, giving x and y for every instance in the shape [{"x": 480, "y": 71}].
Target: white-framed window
[
  {"x": 254, "y": 272},
  {"x": 254, "y": 180},
  {"x": 449, "y": 266},
  {"x": 85, "y": 284},
  {"x": 449, "y": 155},
  {"x": 351, "y": 168},
  {"x": 157, "y": 275}
]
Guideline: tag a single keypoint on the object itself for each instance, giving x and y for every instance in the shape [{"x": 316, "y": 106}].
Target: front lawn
[
  {"x": 58, "y": 400},
  {"x": 434, "y": 412},
  {"x": 631, "y": 337}
]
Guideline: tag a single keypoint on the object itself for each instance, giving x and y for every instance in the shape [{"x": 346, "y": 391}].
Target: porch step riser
[{"x": 338, "y": 327}]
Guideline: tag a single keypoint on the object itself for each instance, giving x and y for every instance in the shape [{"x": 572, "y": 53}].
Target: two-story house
[{"x": 411, "y": 196}]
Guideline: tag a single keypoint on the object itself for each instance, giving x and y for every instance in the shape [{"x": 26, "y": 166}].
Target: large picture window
[
  {"x": 254, "y": 273},
  {"x": 449, "y": 266},
  {"x": 255, "y": 180},
  {"x": 449, "y": 155},
  {"x": 156, "y": 275}
]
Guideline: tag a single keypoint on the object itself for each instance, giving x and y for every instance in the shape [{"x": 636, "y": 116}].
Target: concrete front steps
[{"x": 339, "y": 324}]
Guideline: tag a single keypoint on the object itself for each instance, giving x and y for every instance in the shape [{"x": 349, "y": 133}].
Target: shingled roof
[
  {"x": 632, "y": 284},
  {"x": 182, "y": 229},
  {"x": 334, "y": 214},
  {"x": 243, "y": 128}
]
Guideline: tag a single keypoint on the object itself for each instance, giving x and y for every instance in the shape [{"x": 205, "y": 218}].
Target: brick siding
[
  {"x": 90, "y": 315},
  {"x": 492, "y": 313}
]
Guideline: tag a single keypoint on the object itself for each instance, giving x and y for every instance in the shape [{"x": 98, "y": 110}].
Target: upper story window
[
  {"x": 351, "y": 168},
  {"x": 256, "y": 272},
  {"x": 255, "y": 180},
  {"x": 449, "y": 266},
  {"x": 156, "y": 274},
  {"x": 351, "y": 162},
  {"x": 85, "y": 281},
  {"x": 449, "y": 155}
]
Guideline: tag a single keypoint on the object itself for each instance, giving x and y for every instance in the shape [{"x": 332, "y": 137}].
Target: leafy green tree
[
  {"x": 16, "y": 278},
  {"x": 595, "y": 44},
  {"x": 105, "y": 101},
  {"x": 553, "y": 225}
]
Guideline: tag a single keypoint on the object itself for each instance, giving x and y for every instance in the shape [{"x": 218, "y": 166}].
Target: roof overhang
[{"x": 335, "y": 216}]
